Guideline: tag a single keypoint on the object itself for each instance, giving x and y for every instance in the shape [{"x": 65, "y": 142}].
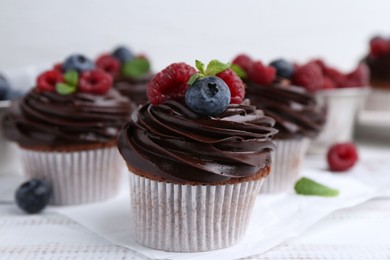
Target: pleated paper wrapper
[
  {"x": 190, "y": 218},
  {"x": 77, "y": 177},
  {"x": 378, "y": 100},
  {"x": 286, "y": 165}
]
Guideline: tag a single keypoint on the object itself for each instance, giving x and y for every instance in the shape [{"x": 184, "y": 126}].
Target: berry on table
[
  {"x": 123, "y": 54},
  {"x": 379, "y": 46},
  {"x": 235, "y": 84},
  {"x": 209, "y": 96},
  {"x": 47, "y": 81},
  {"x": 109, "y": 64},
  {"x": 78, "y": 63},
  {"x": 342, "y": 156},
  {"x": 95, "y": 82},
  {"x": 33, "y": 195},
  {"x": 4, "y": 88},
  {"x": 284, "y": 69}
]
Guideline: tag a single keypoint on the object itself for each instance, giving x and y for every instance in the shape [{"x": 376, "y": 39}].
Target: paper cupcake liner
[
  {"x": 76, "y": 177},
  {"x": 378, "y": 100},
  {"x": 286, "y": 165},
  {"x": 188, "y": 218}
]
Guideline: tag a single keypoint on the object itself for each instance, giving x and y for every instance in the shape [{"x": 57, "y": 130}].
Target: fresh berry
[
  {"x": 308, "y": 76},
  {"x": 260, "y": 74},
  {"x": 320, "y": 63},
  {"x": 379, "y": 46},
  {"x": 123, "y": 54},
  {"x": 4, "y": 87},
  {"x": 358, "y": 77},
  {"x": 33, "y": 195},
  {"x": 235, "y": 84},
  {"x": 78, "y": 63},
  {"x": 209, "y": 96},
  {"x": 169, "y": 83},
  {"x": 47, "y": 81},
  {"x": 306, "y": 186},
  {"x": 244, "y": 61},
  {"x": 109, "y": 64},
  {"x": 336, "y": 76},
  {"x": 13, "y": 94},
  {"x": 327, "y": 83},
  {"x": 58, "y": 67},
  {"x": 342, "y": 157},
  {"x": 284, "y": 69},
  {"x": 95, "y": 82}
]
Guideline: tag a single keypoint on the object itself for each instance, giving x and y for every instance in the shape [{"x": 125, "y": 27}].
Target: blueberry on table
[
  {"x": 284, "y": 69},
  {"x": 123, "y": 54},
  {"x": 78, "y": 63},
  {"x": 4, "y": 88},
  {"x": 33, "y": 195},
  {"x": 208, "y": 96}
]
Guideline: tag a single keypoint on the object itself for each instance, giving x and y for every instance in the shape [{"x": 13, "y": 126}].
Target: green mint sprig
[
  {"x": 136, "y": 68},
  {"x": 213, "y": 68},
  {"x": 305, "y": 186}
]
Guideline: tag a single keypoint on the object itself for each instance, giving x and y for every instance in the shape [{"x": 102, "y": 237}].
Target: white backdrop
[{"x": 41, "y": 31}]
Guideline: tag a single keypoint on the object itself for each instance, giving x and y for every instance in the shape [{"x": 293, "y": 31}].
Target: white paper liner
[
  {"x": 188, "y": 218},
  {"x": 76, "y": 177},
  {"x": 286, "y": 165},
  {"x": 378, "y": 100}
]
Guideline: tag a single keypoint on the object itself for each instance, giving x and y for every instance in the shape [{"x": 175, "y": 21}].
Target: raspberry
[
  {"x": 109, "y": 64},
  {"x": 47, "y": 81},
  {"x": 171, "y": 82},
  {"x": 95, "y": 81},
  {"x": 58, "y": 67},
  {"x": 336, "y": 76},
  {"x": 235, "y": 84},
  {"x": 320, "y": 63},
  {"x": 342, "y": 156},
  {"x": 244, "y": 61},
  {"x": 308, "y": 76},
  {"x": 379, "y": 47},
  {"x": 260, "y": 74},
  {"x": 327, "y": 83},
  {"x": 358, "y": 77}
]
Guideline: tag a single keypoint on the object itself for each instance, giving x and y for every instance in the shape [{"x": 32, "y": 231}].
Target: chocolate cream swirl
[
  {"x": 48, "y": 119},
  {"x": 172, "y": 143},
  {"x": 134, "y": 89},
  {"x": 379, "y": 67},
  {"x": 295, "y": 111}
]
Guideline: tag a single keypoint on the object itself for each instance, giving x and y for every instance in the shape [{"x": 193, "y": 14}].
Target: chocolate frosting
[
  {"x": 49, "y": 119},
  {"x": 134, "y": 89},
  {"x": 172, "y": 143},
  {"x": 379, "y": 67},
  {"x": 295, "y": 111}
]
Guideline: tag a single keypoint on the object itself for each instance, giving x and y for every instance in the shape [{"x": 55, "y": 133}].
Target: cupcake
[
  {"x": 67, "y": 127},
  {"x": 197, "y": 157},
  {"x": 131, "y": 73},
  {"x": 378, "y": 61},
  {"x": 298, "y": 116}
]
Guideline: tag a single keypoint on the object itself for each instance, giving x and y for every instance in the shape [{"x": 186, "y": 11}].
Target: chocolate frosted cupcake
[
  {"x": 378, "y": 61},
  {"x": 297, "y": 115},
  {"x": 67, "y": 128},
  {"x": 200, "y": 158},
  {"x": 131, "y": 74}
]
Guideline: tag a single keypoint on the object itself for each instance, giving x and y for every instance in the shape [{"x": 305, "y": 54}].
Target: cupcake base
[
  {"x": 286, "y": 165},
  {"x": 190, "y": 218},
  {"x": 77, "y": 177}
]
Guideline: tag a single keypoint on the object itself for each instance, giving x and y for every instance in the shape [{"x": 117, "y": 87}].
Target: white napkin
[{"x": 275, "y": 218}]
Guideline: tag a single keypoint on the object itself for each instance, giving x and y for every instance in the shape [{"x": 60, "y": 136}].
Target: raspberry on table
[
  {"x": 342, "y": 156},
  {"x": 235, "y": 84}
]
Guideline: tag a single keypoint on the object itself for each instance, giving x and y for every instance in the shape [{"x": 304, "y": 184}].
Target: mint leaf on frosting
[
  {"x": 194, "y": 78},
  {"x": 239, "y": 71},
  {"x": 215, "y": 66},
  {"x": 305, "y": 186},
  {"x": 71, "y": 77},
  {"x": 136, "y": 68},
  {"x": 200, "y": 66},
  {"x": 65, "y": 89}
]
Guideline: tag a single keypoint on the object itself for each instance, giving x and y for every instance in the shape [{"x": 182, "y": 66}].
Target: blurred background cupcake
[
  {"x": 131, "y": 73},
  {"x": 66, "y": 128}
]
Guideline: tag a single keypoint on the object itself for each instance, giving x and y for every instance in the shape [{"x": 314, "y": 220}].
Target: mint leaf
[
  {"x": 136, "y": 68},
  {"x": 65, "y": 89},
  {"x": 200, "y": 66},
  {"x": 305, "y": 186},
  {"x": 239, "y": 71},
  {"x": 215, "y": 67},
  {"x": 71, "y": 77},
  {"x": 194, "y": 77}
]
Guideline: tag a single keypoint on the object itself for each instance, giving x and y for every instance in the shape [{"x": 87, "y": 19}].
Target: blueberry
[
  {"x": 78, "y": 62},
  {"x": 123, "y": 54},
  {"x": 13, "y": 94},
  {"x": 209, "y": 96},
  {"x": 283, "y": 68},
  {"x": 4, "y": 88},
  {"x": 33, "y": 195}
]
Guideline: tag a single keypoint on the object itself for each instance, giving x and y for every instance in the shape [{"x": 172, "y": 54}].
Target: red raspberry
[
  {"x": 47, "y": 81},
  {"x": 308, "y": 76},
  {"x": 95, "y": 81},
  {"x": 260, "y": 74},
  {"x": 336, "y": 76},
  {"x": 235, "y": 84},
  {"x": 109, "y": 64},
  {"x": 171, "y": 82},
  {"x": 379, "y": 47},
  {"x": 358, "y": 77},
  {"x": 320, "y": 63},
  {"x": 327, "y": 83},
  {"x": 58, "y": 67},
  {"x": 342, "y": 157},
  {"x": 244, "y": 61}
]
